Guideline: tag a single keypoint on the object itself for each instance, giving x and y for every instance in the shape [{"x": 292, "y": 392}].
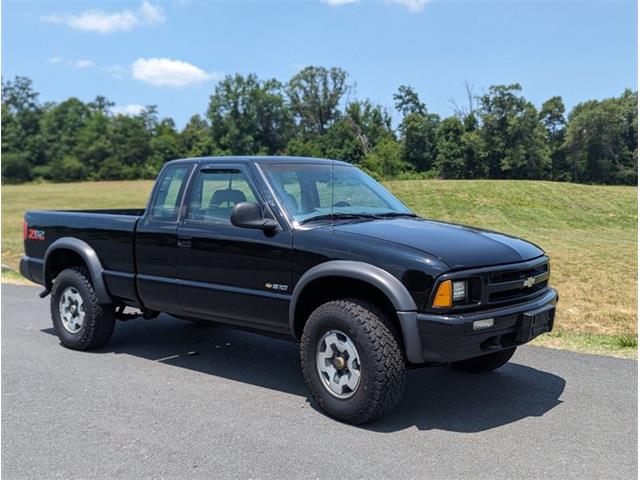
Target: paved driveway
[{"x": 167, "y": 398}]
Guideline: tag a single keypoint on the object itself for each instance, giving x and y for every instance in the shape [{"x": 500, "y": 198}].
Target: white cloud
[
  {"x": 131, "y": 109},
  {"x": 338, "y": 3},
  {"x": 412, "y": 5},
  {"x": 116, "y": 71},
  {"x": 58, "y": 60},
  {"x": 163, "y": 72},
  {"x": 150, "y": 14},
  {"x": 104, "y": 22},
  {"x": 83, "y": 63}
]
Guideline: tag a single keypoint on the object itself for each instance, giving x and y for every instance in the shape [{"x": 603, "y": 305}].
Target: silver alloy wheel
[
  {"x": 71, "y": 310},
  {"x": 338, "y": 364}
]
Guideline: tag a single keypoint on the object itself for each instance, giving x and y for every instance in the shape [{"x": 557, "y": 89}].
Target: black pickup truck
[{"x": 311, "y": 249}]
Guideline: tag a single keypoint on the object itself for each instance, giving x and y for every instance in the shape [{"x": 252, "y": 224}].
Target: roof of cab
[{"x": 260, "y": 159}]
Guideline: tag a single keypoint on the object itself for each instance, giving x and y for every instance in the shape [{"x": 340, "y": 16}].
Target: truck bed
[
  {"x": 110, "y": 232},
  {"x": 136, "y": 212}
]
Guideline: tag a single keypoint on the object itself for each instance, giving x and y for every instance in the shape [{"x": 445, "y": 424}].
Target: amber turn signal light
[{"x": 443, "y": 295}]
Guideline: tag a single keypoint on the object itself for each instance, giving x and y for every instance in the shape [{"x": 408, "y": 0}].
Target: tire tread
[
  {"x": 99, "y": 325},
  {"x": 381, "y": 336}
]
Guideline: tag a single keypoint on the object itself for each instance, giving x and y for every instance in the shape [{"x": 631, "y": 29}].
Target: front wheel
[
  {"x": 79, "y": 320},
  {"x": 352, "y": 361},
  {"x": 485, "y": 363}
]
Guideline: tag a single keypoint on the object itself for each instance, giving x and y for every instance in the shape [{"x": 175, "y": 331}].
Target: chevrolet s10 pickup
[{"x": 311, "y": 249}]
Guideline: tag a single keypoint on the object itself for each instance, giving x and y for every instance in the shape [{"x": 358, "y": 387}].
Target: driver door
[{"x": 237, "y": 275}]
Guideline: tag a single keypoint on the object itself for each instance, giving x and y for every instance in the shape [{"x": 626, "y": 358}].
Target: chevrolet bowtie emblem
[{"x": 529, "y": 282}]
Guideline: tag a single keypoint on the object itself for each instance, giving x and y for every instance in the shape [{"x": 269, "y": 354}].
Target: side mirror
[{"x": 249, "y": 215}]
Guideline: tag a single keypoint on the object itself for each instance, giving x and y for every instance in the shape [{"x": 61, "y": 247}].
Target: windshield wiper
[{"x": 338, "y": 216}]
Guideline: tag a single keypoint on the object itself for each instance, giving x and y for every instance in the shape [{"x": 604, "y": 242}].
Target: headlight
[
  {"x": 459, "y": 290},
  {"x": 449, "y": 292}
]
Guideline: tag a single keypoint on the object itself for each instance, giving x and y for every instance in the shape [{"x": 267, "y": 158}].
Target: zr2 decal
[{"x": 36, "y": 234}]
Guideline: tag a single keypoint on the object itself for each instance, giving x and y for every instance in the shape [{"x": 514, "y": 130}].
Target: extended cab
[{"x": 312, "y": 249}]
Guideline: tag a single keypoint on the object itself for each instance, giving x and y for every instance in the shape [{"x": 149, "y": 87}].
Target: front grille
[
  {"x": 501, "y": 277},
  {"x": 492, "y": 287},
  {"x": 516, "y": 293},
  {"x": 515, "y": 285}
]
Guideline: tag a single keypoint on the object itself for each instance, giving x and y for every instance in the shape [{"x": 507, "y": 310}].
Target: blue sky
[{"x": 170, "y": 53}]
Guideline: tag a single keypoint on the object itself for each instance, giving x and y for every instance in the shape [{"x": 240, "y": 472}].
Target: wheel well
[
  {"x": 330, "y": 288},
  {"x": 60, "y": 260}
]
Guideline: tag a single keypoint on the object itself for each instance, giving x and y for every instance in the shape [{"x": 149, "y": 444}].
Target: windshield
[{"x": 315, "y": 191}]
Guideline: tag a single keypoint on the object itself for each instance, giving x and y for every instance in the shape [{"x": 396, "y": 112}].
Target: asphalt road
[{"x": 170, "y": 399}]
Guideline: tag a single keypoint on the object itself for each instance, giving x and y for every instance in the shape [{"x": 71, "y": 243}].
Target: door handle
[{"x": 184, "y": 241}]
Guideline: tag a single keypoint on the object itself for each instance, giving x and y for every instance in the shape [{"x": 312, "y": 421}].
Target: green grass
[
  {"x": 626, "y": 341},
  {"x": 590, "y": 233},
  {"x": 624, "y": 346},
  {"x": 12, "y": 276}
]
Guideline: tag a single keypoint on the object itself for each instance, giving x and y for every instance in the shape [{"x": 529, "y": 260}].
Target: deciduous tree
[
  {"x": 249, "y": 116},
  {"x": 513, "y": 136},
  {"x": 315, "y": 94},
  {"x": 552, "y": 118}
]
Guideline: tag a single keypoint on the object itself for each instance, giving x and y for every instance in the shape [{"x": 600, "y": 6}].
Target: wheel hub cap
[
  {"x": 338, "y": 364},
  {"x": 71, "y": 309}
]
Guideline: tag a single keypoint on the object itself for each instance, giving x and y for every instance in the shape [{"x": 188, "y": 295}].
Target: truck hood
[{"x": 456, "y": 245}]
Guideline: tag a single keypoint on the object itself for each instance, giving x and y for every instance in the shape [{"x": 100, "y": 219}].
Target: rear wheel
[
  {"x": 485, "y": 363},
  {"x": 81, "y": 323},
  {"x": 352, "y": 361}
]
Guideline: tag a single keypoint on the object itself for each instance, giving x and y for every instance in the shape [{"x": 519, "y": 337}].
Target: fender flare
[
  {"x": 394, "y": 290},
  {"x": 90, "y": 258}
]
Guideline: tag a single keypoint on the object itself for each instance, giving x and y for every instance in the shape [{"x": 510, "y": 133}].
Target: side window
[
  {"x": 216, "y": 192},
  {"x": 167, "y": 199}
]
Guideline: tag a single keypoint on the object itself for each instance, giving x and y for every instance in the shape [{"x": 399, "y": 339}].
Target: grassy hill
[{"x": 590, "y": 232}]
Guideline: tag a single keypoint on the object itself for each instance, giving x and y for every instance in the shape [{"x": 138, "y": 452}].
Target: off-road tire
[
  {"x": 382, "y": 363},
  {"x": 485, "y": 363},
  {"x": 99, "y": 318}
]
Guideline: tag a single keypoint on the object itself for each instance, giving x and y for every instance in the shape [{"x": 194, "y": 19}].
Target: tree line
[{"x": 498, "y": 135}]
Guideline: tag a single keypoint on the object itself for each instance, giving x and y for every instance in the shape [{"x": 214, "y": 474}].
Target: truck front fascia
[{"x": 448, "y": 338}]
